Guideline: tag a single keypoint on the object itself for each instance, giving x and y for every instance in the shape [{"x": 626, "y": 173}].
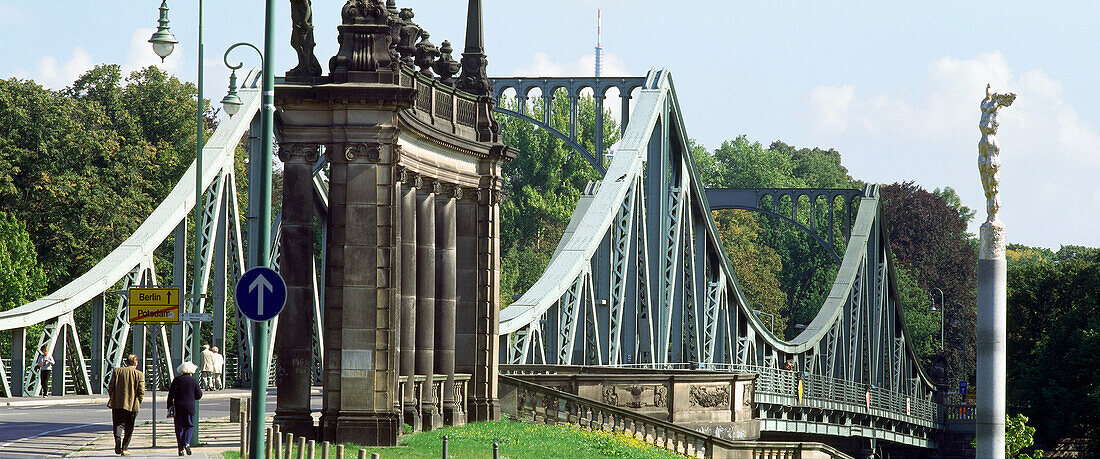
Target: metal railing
[
  {"x": 859, "y": 397},
  {"x": 540, "y": 404},
  {"x": 959, "y": 414}
]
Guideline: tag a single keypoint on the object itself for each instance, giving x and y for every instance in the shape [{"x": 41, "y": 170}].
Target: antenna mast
[{"x": 599, "y": 50}]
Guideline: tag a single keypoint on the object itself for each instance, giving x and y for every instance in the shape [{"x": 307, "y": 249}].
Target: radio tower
[{"x": 599, "y": 50}]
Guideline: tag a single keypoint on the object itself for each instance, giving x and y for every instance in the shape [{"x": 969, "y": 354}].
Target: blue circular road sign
[{"x": 260, "y": 294}]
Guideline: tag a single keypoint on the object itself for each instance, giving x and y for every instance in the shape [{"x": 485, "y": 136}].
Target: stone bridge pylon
[{"x": 411, "y": 261}]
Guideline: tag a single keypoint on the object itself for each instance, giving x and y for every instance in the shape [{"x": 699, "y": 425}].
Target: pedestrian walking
[
  {"x": 126, "y": 390},
  {"x": 45, "y": 369},
  {"x": 219, "y": 367},
  {"x": 206, "y": 378},
  {"x": 182, "y": 395}
]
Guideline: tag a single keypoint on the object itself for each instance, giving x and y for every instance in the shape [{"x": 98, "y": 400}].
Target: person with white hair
[
  {"x": 219, "y": 367},
  {"x": 206, "y": 378},
  {"x": 182, "y": 395}
]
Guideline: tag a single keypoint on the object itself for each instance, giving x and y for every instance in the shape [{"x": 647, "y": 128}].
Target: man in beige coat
[{"x": 126, "y": 389}]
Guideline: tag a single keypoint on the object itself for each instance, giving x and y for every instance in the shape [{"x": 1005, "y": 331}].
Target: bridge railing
[
  {"x": 858, "y": 397},
  {"x": 540, "y": 404},
  {"x": 959, "y": 414}
]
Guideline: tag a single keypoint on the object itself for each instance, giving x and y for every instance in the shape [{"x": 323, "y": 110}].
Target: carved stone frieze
[
  {"x": 636, "y": 395},
  {"x": 708, "y": 396}
]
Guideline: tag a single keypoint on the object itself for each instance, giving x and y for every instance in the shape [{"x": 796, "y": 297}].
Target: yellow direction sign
[{"x": 154, "y": 304}]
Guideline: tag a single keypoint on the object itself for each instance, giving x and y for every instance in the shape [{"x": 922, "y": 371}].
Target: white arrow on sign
[{"x": 260, "y": 283}]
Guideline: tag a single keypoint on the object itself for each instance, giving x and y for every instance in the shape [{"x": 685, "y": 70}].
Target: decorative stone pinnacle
[
  {"x": 409, "y": 34},
  {"x": 474, "y": 78},
  {"x": 426, "y": 54},
  {"x": 446, "y": 65}
]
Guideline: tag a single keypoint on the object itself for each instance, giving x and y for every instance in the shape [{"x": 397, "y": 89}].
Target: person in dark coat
[{"x": 182, "y": 395}]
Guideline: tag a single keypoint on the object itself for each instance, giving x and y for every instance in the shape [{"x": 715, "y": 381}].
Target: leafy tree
[
  {"x": 755, "y": 264},
  {"x": 1018, "y": 437},
  {"x": 87, "y": 164},
  {"x": 1054, "y": 347},
  {"x": 21, "y": 277}
]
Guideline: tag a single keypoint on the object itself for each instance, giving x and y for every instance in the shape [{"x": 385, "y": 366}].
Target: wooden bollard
[
  {"x": 289, "y": 446},
  {"x": 324, "y": 450},
  {"x": 277, "y": 448},
  {"x": 340, "y": 451},
  {"x": 301, "y": 448},
  {"x": 312, "y": 448},
  {"x": 362, "y": 454},
  {"x": 374, "y": 456},
  {"x": 268, "y": 439}
]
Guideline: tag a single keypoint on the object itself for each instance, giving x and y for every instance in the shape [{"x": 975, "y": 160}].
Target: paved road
[{"x": 61, "y": 425}]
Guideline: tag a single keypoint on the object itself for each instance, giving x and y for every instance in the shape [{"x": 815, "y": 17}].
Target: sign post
[
  {"x": 260, "y": 295},
  {"x": 156, "y": 306}
]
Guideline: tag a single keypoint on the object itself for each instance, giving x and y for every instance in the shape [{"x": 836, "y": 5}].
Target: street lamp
[
  {"x": 943, "y": 310},
  {"x": 163, "y": 44},
  {"x": 231, "y": 103},
  {"x": 163, "y": 41}
]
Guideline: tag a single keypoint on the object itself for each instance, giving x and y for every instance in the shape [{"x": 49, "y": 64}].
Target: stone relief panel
[
  {"x": 636, "y": 395},
  {"x": 708, "y": 396}
]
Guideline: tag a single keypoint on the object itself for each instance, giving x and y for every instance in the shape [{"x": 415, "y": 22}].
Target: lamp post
[
  {"x": 943, "y": 310},
  {"x": 163, "y": 44},
  {"x": 232, "y": 103}
]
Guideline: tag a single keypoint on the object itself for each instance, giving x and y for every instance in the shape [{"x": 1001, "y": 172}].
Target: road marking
[{"x": 5, "y": 445}]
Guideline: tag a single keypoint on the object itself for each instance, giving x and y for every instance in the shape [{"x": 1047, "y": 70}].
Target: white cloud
[
  {"x": 928, "y": 132},
  {"x": 51, "y": 74}
]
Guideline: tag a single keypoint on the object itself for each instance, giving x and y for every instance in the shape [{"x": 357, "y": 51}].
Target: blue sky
[{"x": 893, "y": 86}]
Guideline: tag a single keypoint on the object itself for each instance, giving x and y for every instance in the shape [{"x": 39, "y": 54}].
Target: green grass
[{"x": 516, "y": 440}]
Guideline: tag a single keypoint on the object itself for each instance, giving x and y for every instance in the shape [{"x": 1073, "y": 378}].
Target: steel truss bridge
[{"x": 640, "y": 278}]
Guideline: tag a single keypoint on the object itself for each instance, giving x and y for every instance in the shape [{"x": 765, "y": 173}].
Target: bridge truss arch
[
  {"x": 548, "y": 86},
  {"x": 640, "y": 279}
]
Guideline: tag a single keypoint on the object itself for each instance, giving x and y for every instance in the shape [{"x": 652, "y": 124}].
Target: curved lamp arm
[{"x": 232, "y": 102}]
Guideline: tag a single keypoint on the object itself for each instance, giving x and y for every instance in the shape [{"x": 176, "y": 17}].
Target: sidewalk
[
  {"x": 218, "y": 435},
  {"x": 102, "y": 398}
]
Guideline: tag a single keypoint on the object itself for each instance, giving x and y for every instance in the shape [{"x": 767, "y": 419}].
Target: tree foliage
[
  {"x": 85, "y": 165},
  {"x": 1054, "y": 344},
  {"x": 1018, "y": 437},
  {"x": 21, "y": 277}
]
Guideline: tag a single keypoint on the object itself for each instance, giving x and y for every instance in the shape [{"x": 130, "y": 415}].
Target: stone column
[
  {"x": 484, "y": 404},
  {"x": 992, "y": 319},
  {"x": 293, "y": 366},
  {"x": 361, "y": 360},
  {"x": 445, "y": 278},
  {"x": 425, "y": 301},
  {"x": 408, "y": 300},
  {"x": 467, "y": 282}
]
